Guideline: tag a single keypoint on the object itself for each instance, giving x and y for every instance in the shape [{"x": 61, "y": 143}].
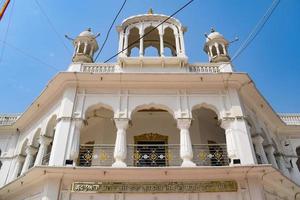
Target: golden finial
[{"x": 150, "y": 11}]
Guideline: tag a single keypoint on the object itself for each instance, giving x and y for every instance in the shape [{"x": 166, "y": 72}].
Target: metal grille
[{"x": 153, "y": 155}]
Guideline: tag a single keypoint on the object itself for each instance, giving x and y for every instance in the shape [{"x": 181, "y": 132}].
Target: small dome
[
  {"x": 88, "y": 32},
  {"x": 214, "y": 35}
]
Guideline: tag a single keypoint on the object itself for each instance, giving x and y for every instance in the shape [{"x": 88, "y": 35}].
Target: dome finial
[
  {"x": 212, "y": 29},
  {"x": 150, "y": 11}
]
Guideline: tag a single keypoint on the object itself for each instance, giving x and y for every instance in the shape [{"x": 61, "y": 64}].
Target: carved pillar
[
  {"x": 238, "y": 141},
  {"x": 186, "y": 150},
  {"x": 270, "y": 152},
  {"x": 177, "y": 43},
  {"x": 18, "y": 166},
  {"x": 217, "y": 48},
  {"x": 30, "y": 151},
  {"x": 258, "y": 143},
  {"x": 125, "y": 52},
  {"x": 120, "y": 144},
  {"x": 85, "y": 48},
  {"x": 76, "y": 141},
  {"x": 44, "y": 143}
]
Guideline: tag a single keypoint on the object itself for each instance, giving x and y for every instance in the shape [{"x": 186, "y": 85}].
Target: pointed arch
[{"x": 151, "y": 106}]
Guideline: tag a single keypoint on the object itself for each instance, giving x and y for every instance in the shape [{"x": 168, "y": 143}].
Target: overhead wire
[
  {"x": 7, "y": 29},
  {"x": 256, "y": 30},
  {"x": 108, "y": 32},
  {"x": 128, "y": 46},
  {"x": 52, "y": 26}
]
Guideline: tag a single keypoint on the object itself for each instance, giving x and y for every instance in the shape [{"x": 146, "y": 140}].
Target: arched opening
[
  {"x": 35, "y": 144},
  {"x": 0, "y": 164},
  {"x": 169, "y": 42},
  {"x": 81, "y": 48},
  {"x": 134, "y": 52},
  {"x": 151, "y": 40},
  {"x": 133, "y": 41},
  {"x": 153, "y": 138},
  {"x": 209, "y": 141},
  {"x": 151, "y": 51},
  {"x": 23, "y": 155},
  {"x": 97, "y": 137},
  {"x": 214, "y": 51},
  {"x": 221, "y": 50},
  {"x": 88, "y": 49},
  {"x": 50, "y": 132}
]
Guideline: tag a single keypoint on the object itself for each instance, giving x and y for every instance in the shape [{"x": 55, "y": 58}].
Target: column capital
[
  {"x": 20, "y": 158},
  {"x": 270, "y": 149},
  {"x": 226, "y": 123},
  {"x": 121, "y": 123},
  {"x": 257, "y": 139},
  {"x": 31, "y": 150},
  {"x": 45, "y": 140},
  {"x": 184, "y": 123}
]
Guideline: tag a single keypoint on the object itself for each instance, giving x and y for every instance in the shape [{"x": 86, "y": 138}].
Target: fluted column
[
  {"x": 120, "y": 151},
  {"x": 258, "y": 143},
  {"x": 30, "y": 152},
  {"x": 186, "y": 150},
  {"x": 18, "y": 166},
  {"x": 44, "y": 143},
  {"x": 76, "y": 141},
  {"x": 270, "y": 150}
]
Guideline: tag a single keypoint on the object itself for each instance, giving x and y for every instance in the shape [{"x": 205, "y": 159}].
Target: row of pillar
[
  {"x": 267, "y": 154},
  {"x": 123, "y": 44},
  {"x": 34, "y": 156}
]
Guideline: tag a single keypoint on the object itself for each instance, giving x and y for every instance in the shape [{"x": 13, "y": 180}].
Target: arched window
[
  {"x": 298, "y": 160},
  {"x": 214, "y": 51},
  {"x": 221, "y": 50}
]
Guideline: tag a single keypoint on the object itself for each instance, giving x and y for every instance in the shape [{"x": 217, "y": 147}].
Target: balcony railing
[{"x": 153, "y": 155}]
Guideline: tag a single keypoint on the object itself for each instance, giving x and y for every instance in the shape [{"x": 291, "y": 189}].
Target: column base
[
  {"x": 119, "y": 164},
  {"x": 188, "y": 163}
]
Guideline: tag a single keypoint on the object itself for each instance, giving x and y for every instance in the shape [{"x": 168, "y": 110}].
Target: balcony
[{"x": 153, "y": 155}]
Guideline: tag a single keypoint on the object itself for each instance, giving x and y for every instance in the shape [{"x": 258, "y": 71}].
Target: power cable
[
  {"x": 185, "y": 5},
  {"x": 52, "y": 26},
  {"x": 108, "y": 32},
  {"x": 29, "y": 55},
  {"x": 258, "y": 27},
  {"x": 7, "y": 29}
]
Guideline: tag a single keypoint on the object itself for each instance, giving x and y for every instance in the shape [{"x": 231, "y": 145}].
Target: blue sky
[{"x": 272, "y": 59}]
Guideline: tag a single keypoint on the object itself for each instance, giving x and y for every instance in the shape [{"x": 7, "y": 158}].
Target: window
[
  {"x": 214, "y": 51},
  {"x": 221, "y": 50}
]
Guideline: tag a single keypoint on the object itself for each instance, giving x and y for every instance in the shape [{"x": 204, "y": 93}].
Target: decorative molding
[{"x": 155, "y": 187}]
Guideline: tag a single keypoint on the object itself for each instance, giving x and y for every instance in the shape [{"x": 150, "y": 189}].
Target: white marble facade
[{"x": 104, "y": 107}]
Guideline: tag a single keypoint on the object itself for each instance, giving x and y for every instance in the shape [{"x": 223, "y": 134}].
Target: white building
[{"x": 151, "y": 127}]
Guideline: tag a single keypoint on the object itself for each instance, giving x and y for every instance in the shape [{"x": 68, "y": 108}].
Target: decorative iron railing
[
  {"x": 153, "y": 155},
  {"x": 8, "y": 119}
]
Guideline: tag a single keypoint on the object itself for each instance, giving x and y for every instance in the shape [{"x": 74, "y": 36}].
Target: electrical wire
[
  {"x": 7, "y": 29},
  {"x": 181, "y": 8},
  {"x": 29, "y": 55},
  {"x": 108, "y": 32},
  {"x": 258, "y": 27},
  {"x": 52, "y": 26}
]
